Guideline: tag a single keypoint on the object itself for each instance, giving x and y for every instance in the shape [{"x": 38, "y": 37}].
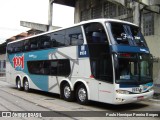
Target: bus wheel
[
  {"x": 81, "y": 95},
  {"x": 26, "y": 85},
  {"x": 18, "y": 84},
  {"x": 67, "y": 92}
]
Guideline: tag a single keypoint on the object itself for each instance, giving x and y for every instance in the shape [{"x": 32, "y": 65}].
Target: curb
[
  {"x": 154, "y": 101},
  {"x": 155, "y": 98}
]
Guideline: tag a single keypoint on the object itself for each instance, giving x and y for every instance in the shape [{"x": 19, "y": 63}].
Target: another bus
[{"x": 103, "y": 60}]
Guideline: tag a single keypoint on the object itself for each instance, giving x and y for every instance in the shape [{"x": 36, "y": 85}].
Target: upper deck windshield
[{"x": 126, "y": 34}]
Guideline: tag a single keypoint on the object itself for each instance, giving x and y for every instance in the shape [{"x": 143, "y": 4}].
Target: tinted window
[
  {"x": 15, "y": 47},
  {"x": 99, "y": 52},
  {"x": 26, "y": 45},
  {"x": 50, "y": 67},
  {"x": 74, "y": 36},
  {"x": 63, "y": 68},
  {"x": 34, "y": 43},
  {"x": 95, "y": 33},
  {"x": 58, "y": 38},
  {"x": 45, "y": 41},
  {"x": 71, "y": 36},
  {"x": 10, "y": 48}
]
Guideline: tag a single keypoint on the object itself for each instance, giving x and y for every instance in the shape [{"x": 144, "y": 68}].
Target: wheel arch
[
  {"x": 78, "y": 83},
  {"x": 18, "y": 77},
  {"x": 62, "y": 83},
  {"x": 25, "y": 78}
]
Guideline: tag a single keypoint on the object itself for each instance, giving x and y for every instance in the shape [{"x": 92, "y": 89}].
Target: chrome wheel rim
[
  {"x": 19, "y": 84},
  {"x": 67, "y": 91},
  {"x": 82, "y": 94},
  {"x": 26, "y": 85}
]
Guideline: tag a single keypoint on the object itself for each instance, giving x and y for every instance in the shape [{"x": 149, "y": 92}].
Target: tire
[
  {"x": 67, "y": 93},
  {"x": 18, "y": 84},
  {"x": 81, "y": 95},
  {"x": 26, "y": 86}
]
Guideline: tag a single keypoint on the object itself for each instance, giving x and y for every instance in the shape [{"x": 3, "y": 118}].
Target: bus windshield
[
  {"x": 133, "y": 68},
  {"x": 126, "y": 34}
]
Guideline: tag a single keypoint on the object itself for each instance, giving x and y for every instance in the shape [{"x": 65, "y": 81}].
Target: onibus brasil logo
[{"x": 18, "y": 61}]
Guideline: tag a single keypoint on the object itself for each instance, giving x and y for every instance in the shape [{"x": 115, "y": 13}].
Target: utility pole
[
  {"x": 50, "y": 14},
  {"x": 136, "y": 14}
]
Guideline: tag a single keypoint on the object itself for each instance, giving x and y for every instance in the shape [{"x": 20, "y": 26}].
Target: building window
[
  {"x": 122, "y": 10},
  {"x": 109, "y": 10},
  {"x": 97, "y": 12},
  {"x": 148, "y": 24},
  {"x": 129, "y": 19},
  {"x": 85, "y": 15}
]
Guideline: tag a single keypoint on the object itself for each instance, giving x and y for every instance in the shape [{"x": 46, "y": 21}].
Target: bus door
[{"x": 105, "y": 78}]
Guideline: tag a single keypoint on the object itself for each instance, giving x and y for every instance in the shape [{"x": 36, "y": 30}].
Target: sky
[{"x": 14, "y": 11}]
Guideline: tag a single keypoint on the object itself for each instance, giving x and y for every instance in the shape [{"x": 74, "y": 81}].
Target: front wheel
[
  {"x": 26, "y": 86},
  {"x": 81, "y": 95}
]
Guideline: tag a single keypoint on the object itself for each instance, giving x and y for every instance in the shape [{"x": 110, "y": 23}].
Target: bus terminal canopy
[{"x": 65, "y": 2}]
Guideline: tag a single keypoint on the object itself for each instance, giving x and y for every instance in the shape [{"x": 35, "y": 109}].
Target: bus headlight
[{"x": 122, "y": 91}]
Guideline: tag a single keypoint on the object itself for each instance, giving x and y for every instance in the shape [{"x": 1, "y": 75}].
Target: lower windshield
[{"x": 133, "y": 69}]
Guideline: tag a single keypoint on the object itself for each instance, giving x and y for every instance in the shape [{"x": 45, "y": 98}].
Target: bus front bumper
[{"x": 129, "y": 98}]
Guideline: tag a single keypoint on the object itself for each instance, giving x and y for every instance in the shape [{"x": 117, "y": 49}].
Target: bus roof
[{"x": 100, "y": 20}]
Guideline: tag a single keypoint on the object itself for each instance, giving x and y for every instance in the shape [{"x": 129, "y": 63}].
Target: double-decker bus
[{"x": 103, "y": 60}]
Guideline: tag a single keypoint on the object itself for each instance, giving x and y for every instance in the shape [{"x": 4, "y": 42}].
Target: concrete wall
[
  {"x": 3, "y": 57},
  {"x": 153, "y": 41},
  {"x": 2, "y": 65}
]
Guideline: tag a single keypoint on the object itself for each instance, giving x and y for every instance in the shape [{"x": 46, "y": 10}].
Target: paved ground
[{"x": 13, "y": 100}]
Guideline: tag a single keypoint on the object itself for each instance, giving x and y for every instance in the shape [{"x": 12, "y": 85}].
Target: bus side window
[
  {"x": 45, "y": 41},
  {"x": 80, "y": 39},
  {"x": 10, "y": 48},
  {"x": 63, "y": 67},
  {"x": 33, "y": 44},
  {"x": 58, "y": 38},
  {"x": 26, "y": 45},
  {"x": 74, "y": 36}
]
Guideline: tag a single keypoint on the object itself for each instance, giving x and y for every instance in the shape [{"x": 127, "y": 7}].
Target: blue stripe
[
  {"x": 41, "y": 81},
  {"x": 130, "y": 86},
  {"x": 134, "y": 49},
  {"x": 127, "y": 86}
]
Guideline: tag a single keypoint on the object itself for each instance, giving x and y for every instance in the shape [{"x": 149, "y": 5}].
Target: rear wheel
[
  {"x": 18, "y": 84},
  {"x": 26, "y": 85},
  {"x": 81, "y": 95},
  {"x": 67, "y": 92}
]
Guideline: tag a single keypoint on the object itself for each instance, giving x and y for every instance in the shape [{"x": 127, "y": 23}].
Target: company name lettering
[{"x": 18, "y": 61}]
